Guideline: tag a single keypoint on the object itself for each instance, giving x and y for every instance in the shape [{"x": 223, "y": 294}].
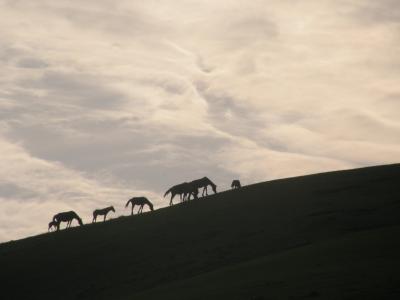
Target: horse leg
[
  {"x": 172, "y": 198},
  {"x": 132, "y": 210},
  {"x": 105, "y": 216},
  {"x": 94, "y": 219}
]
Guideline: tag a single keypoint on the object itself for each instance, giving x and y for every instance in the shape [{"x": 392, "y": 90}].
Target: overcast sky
[{"x": 102, "y": 100}]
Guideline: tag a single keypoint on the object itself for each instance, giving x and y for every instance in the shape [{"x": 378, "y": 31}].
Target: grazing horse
[
  {"x": 236, "y": 184},
  {"x": 204, "y": 183},
  {"x": 179, "y": 189},
  {"x": 68, "y": 217},
  {"x": 141, "y": 201},
  {"x": 102, "y": 212},
  {"x": 53, "y": 224}
]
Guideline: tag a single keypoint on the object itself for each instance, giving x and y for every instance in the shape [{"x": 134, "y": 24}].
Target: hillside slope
[
  {"x": 360, "y": 265},
  {"x": 326, "y": 236}
]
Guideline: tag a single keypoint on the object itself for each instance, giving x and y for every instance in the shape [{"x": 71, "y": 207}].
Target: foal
[{"x": 102, "y": 212}]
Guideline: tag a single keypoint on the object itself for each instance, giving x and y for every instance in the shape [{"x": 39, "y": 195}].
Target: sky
[{"x": 103, "y": 100}]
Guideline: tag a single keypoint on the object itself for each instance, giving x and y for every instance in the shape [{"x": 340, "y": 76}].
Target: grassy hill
[{"x": 325, "y": 236}]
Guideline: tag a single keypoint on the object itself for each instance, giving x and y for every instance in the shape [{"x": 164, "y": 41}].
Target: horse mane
[{"x": 209, "y": 181}]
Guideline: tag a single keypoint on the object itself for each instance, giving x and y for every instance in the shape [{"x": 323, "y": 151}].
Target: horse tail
[
  {"x": 167, "y": 192},
  {"x": 127, "y": 203}
]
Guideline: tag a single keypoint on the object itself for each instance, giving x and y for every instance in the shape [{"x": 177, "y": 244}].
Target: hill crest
[{"x": 131, "y": 255}]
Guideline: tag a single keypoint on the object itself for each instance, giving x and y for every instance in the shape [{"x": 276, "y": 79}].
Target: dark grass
[
  {"x": 360, "y": 265},
  {"x": 324, "y": 236}
]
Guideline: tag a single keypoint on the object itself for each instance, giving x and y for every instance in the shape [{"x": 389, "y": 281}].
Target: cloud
[
  {"x": 32, "y": 63},
  {"x": 104, "y": 100},
  {"x": 29, "y": 183},
  {"x": 382, "y": 12}
]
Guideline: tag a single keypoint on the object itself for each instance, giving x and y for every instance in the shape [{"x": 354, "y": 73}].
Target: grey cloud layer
[{"x": 103, "y": 100}]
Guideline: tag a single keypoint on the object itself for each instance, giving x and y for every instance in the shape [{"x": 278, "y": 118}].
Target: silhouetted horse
[
  {"x": 53, "y": 224},
  {"x": 190, "y": 189},
  {"x": 102, "y": 212},
  {"x": 179, "y": 189},
  {"x": 141, "y": 201},
  {"x": 204, "y": 183},
  {"x": 68, "y": 217},
  {"x": 236, "y": 184}
]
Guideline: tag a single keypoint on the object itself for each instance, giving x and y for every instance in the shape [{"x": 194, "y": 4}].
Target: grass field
[{"x": 324, "y": 236}]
